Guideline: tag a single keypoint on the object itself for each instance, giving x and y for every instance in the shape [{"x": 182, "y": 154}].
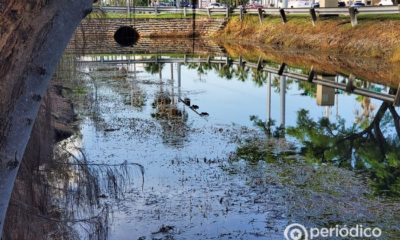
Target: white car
[
  {"x": 299, "y": 4},
  {"x": 296, "y": 4},
  {"x": 385, "y": 3},
  {"x": 216, "y": 5}
]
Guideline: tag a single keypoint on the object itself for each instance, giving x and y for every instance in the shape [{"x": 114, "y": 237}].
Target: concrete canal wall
[
  {"x": 156, "y": 36},
  {"x": 156, "y": 27}
]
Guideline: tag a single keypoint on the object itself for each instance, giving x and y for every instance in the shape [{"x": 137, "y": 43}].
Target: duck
[{"x": 186, "y": 101}]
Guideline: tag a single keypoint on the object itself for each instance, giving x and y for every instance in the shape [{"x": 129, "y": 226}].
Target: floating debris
[{"x": 164, "y": 229}]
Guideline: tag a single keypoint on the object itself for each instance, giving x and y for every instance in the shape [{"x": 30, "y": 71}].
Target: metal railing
[
  {"x": 260, "y": 66},
  {"x": 162, "y": 9}
]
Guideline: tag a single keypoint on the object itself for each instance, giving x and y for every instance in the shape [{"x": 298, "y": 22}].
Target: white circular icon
[{"x": 296, "y": 231}]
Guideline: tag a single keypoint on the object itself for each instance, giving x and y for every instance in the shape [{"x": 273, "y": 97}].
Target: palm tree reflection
[{"x": 166, "y": 111}]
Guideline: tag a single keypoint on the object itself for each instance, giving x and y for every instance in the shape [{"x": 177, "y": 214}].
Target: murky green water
[{"x": 189, "y": 147}]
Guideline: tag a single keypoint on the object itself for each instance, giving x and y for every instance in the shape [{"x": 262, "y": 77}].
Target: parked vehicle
[
  {"x": 358, "y": 4},
  {"x": 184, "y": 4},
  {"x": 216, "y": 5},
  {"x": 316, "y": 5},
  {"x": 162, "y": 4},
  {"x": 187, "y": 5},
  {"x": 385, "y": 3},
  {"x": 254, "y": 6},
  {"x": 299, "y": 4}
]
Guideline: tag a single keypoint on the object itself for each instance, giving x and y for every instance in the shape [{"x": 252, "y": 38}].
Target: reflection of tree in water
[
  {"x": 171, "y": 118},
  {"x": 258, "y": 76},
  {"x": 153, "y": 68},
  {"x": 202, "y": 68},
  {"x": 270, "y": 149},
  {"x": 225, "y": 71},
  {"x": 242, "y": 73},
  {"x": 366, "y": 149},
  {"x": 138, "y": 96},
  {"x": 309, "y": 89},
  {"x": 372, "y": 150},
  {"x": 364, "y": 117}
]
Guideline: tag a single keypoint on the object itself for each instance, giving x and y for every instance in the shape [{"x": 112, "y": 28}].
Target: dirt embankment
[{"x": 372, "y": 37}]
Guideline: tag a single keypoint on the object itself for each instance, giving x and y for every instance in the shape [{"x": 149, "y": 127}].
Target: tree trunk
[{"x": 34, "y": 36}]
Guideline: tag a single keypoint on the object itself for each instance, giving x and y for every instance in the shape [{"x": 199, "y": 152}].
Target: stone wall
[
  {"x": 176, "y": 27},
  {"x": 156, "y": 36}
]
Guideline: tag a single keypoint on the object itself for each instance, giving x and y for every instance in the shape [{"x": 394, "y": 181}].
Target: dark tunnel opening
[{"x": 126, "y": 36}]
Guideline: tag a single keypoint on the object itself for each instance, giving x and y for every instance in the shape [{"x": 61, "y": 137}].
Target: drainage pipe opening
[{"x": 126, "y": 36}]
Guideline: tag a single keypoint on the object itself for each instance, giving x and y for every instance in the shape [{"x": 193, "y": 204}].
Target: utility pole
[
  {"x": 128, "y": 7},
  {"x": 269, "y": 98},
  {"x": 283, "y": 100},
  {"x": 179, "y": 70}
]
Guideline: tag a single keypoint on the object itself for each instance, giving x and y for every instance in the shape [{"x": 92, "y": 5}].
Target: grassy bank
[{"x": 375, "y": 36}]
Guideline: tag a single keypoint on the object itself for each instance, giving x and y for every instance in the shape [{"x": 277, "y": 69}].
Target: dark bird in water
[
  {"x": 186, "y": 101},
  {"x": 195, "y": 107},
  {"x": 204, "y": 114}
]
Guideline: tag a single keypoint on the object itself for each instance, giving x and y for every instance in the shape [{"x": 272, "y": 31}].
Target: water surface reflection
[{"x": 180, "y": 146}]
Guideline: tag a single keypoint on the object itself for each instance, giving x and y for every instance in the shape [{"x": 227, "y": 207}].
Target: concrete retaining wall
[
  {"x": 156, "y": 36},
  {"x": 177, "y": 27}
]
